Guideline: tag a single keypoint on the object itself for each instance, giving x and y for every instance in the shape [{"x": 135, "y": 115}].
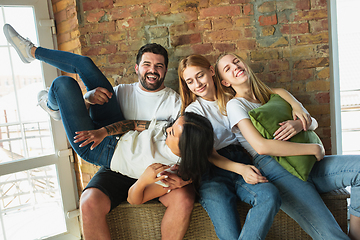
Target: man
[{"x": 144, "y": 100}]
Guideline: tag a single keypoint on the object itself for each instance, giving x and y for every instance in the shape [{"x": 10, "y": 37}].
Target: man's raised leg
[{"x": 179, "y": 204}]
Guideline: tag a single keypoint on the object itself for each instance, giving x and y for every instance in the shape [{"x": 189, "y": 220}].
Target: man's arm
[
  {"x": 96, "y": 136},
  {"x": 125, "y": 126}
]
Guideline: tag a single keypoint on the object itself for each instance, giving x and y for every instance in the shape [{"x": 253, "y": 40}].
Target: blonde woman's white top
[
  {"x": 223, "y": 136},
  {"x": 237, "y": 110}
]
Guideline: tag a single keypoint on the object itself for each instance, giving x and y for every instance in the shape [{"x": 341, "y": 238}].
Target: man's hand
[
  {"x": 95, "y": 136},
  {"x": 98, "y": 95}
]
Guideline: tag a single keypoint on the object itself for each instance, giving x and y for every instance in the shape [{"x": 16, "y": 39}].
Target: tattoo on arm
[
  {"x": 141, "y": 125},
  {"x": 120, "y": 127},
  {"x": 125, "y": 126}
]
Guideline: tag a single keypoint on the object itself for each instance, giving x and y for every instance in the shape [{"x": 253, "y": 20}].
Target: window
[
  {"x": 349, "y": 50},
  {"x": 345, "y": 49},
  {"x": 37, "y": 184}
]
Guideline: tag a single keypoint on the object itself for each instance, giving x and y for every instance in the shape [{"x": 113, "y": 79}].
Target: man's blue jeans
[
  {"x": 301, "y": 200},
  {"x": 65, "y": 94},
  {"x": 219, "y": 192}
]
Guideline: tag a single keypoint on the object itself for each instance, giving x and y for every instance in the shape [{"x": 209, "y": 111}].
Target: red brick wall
[{"x": 285, "y": 41}]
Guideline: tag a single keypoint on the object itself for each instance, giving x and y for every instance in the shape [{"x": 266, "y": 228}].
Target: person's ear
[
  {"x": 212, "y": 70},
  {"x": 137, "y": 69},
  {"x": 225, "y": 83}
]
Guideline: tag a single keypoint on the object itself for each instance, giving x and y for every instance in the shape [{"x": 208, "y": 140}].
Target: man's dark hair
[{"x": 152, "y": 48}]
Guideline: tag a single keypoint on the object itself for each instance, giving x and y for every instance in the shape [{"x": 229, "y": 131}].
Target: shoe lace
[{"x": 26, "y": 41}]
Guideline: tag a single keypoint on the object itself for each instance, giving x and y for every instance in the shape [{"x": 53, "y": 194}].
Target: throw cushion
[{"x": 266, "y": 120}]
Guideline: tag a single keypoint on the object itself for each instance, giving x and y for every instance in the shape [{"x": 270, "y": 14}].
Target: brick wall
[{"x": 285, "y": 41}]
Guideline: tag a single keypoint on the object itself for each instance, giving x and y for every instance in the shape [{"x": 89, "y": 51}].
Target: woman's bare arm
[
  {"x": 277, "y": 148},
  {"x": 298, "y": 109},
  {"x": 139, "y": 194},
  {"x": 146, "y": 188},
  {"x": 250, "y": 173}
]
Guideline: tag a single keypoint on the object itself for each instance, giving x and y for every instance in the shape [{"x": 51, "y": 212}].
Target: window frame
[
  {"x": 63, "y": 158},
  {"x": 335, "y": 103}
]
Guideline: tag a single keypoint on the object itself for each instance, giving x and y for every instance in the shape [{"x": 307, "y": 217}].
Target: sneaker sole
[
  {"x": 10, "y": 40},
  {"x": 42, "y": 102}
]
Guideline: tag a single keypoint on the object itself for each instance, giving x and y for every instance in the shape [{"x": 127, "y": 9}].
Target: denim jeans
[
  {"x": 65, "y": 94},
  {"x": 339, "y": 171},
  {"x": 301, "y": 200},
  {"x": 219, "y": 192}
]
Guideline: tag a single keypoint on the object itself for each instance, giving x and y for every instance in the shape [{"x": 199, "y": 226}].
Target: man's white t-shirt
[
  {"x": 137, "y": 104},
  {"x": 223, "y": 136},
  {"x": 135, "y": 150}
]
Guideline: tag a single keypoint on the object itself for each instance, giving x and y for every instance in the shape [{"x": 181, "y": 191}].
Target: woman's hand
[
  {"x": 145, "y": 188},
  {"x": 299, "y": 112},
  {"x": 303, "y": 115},
  {"x": 320, "y": 152},
  {"x": 95, "y": 136},
  {"x": 288, "y": 129},
  {"x": 173, "y": 180},
  {"x": 149, "y": 176},
  {"x": 252, "y": 175}
]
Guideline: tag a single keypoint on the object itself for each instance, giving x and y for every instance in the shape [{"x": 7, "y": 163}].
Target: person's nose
[
  {"x": 197, "y": 82},
  {"x": 233, "y": 68},
  {"x": 153, "y": 69}
]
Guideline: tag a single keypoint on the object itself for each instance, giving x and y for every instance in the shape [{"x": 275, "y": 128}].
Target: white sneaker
[
  {"x": 22, "y": 46},
  {"x": 42, "y": 102}
]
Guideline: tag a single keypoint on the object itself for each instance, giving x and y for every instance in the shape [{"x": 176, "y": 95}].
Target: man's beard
[{"x": 151, "y": 86}]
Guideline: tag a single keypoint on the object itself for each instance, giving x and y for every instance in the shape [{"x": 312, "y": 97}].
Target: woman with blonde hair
[
  {"x": 221, "y": 189},
  {"x": 300, "y": 199}
]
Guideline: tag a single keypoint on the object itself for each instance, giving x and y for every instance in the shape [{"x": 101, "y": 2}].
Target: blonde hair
[
  {"x": 261, "y": 91},
  {"x": 187, "y": 97}
]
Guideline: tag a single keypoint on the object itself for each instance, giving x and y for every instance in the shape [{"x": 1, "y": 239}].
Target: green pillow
[{"x": 266, "y": 120}]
